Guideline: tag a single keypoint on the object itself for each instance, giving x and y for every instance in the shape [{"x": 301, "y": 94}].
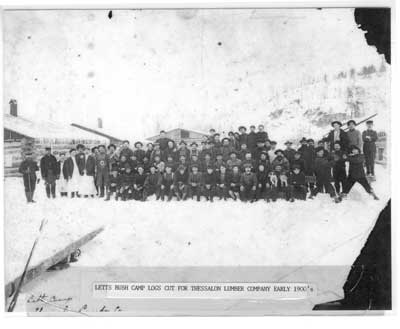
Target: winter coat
[
  {"x": 28, "y": 168},
  {"x": 139, "y": 154},
  {"x": 102, "y": 163},
  {"x": 289, "y": 154},
  {"x": 169, "y": 152},
  {"x": 242, "y": 139},
  {"x": 84, "y": 163},
  {"x": 282, "y": 161},
  {"x": 209, "y": 179},
  {"x": 127, "y": 152},
  {"x": 167, "y": 179},
  {"x": 195, "y": 178},
  {"x": 152, "y": 179},
  {"x": 261, "y": 136},
  {"x": 127, "y": 179},
  {"x": 356, "y": 167},
  {"x": 257, "y": 152},
  {"x": 297, "y": 179},
  {"x": 248, "y": 180},
  {"x": 369, "y": 138},
  {"x": 308, "y": 155},
  {"x": 222, "y": 178},
  {"x": 343, "y": 139},
  {"x": 68, "y": 168},
  {"x": 114, "y": 182},
  {"x": 231, "y": 163},
  {"x": 181, "y": 178},
  {"x": 206, "y": 164},
  {"x": 234, "y": 179},
  {"x": 139, "y": 179},
  {"x": 251, "y": 141},
  {"x": 225, "y": 151},
  {"x": 163, "y": 143},
  {"x": 339, "y": 167},
  {"x": 262, "y": 177},
  {"x": 48, "y": 166},
  {"x": 354, "y": 137},
  {"x": 323, "y": 168},
  {"x": 299, "y": 162}
]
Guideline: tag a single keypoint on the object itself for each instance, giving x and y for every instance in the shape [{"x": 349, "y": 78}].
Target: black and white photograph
[{"x": 197, "y": 161}]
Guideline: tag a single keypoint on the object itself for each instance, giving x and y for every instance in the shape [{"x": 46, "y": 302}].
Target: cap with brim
[
  {"x": 242, "y": 127},
  {"x": 319, "y": 149},
  {"x": 303, "y": 140},
  {"x": 336, "y": 122},
  {"x": 252, "y": 126},
  {"x": 210, "y": 167},
  {"x": 354, "y": 147},
  {"x": 273, "y": 143},
  {"x": 247, "y": 165},
  {"x": 125, "y": 141},
  {"x": 264, "y": 152},
  {"x": 71, "y": 150},
  {"x": 28, "y": 153},
  {"x": 217, "y": 134},
  {"x": 233, "y": 152},
  {"x": 370, "y": 122},
  {"x": 225, "y": 139},
  {"x": 297, "y": 152},
  {"x": 181, "y": 168},
  {"x": 194, "y": 166},
  {"x": 260, "y": 140},
  {"x": 277, "y": 151},
  {"x": 111, "y": 145},
  {"x": 351, "y": 121},
  {"x": 288, "y": 143},
  {"x": 296, "y": 166},
  {"x": 182, "y": 143},
  {"x": 138, "y": 143},
  {"x": 194, "y": 144},
  {"x": 310, "y": 140},
  {"x": 80, "y": 146},
  {"x": 47, "y": 148}
]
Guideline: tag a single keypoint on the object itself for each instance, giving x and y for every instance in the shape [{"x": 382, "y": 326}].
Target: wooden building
[
  {"x": 381, "y": 148},
  {"x": 179, "y": 134},
  {"x": 112, "y": 139},
  {"x": 22, "y": 135}
]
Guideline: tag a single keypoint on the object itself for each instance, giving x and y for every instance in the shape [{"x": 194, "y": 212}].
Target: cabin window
[{"x": 185, "y": 134}]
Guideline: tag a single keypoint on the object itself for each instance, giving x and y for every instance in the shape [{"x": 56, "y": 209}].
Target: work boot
[
  {"x": 102, "y": 192},
  {"x": 108, "y": 197},
  {"x": 72, "y": 195}
]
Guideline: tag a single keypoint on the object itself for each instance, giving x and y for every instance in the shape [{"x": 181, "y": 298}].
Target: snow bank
[{"x": 312, "y": 232}]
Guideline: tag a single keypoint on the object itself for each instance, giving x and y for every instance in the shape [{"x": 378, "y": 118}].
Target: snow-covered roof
[{"x": 47, "y": 130}]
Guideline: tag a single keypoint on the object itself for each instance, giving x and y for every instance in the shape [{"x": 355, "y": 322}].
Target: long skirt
[
  {"x": 74, "y": 182},
  {"x": 62, "y": 184},
  {"x": 87, "y": 186}
]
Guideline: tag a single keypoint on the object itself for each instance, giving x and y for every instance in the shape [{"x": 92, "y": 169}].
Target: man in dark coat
[
  {"x": 152, "y": 184},
  {"x": 138, "y": 184},
  {"x": 195, "y": 182},
  {"x": 242, "y": 136},
  {"x": 222, "y": 182},
  {"x": 248, "y": 185},
  {"x": 357, "y": 173},
  {"x": 28, "y": 168},
  {"x": 181, "y": 183},
  {"x": 289, "y": 152},
  {"x": 167, "y": 183},
  {"x": 323, "y": 173},
  {"x": 234, "y": 179},
  {"x": 49, "y": 171},
  {"x": 261, "y": 134},
  {"x": 114, "y": 184},
  {"x": 170, "y": 151},
  {"x": 102, "y": 169},
  {"x": 125, "y": 150},
  {"x": 339, "y": 169},
  {"x": 298, "y": 161},
  {"x": 139, "y": 153},
  {"x": 337, "y": 135},
  {"x": 262, "y": 182},
  {"x": 252, "y": 139},
  {"x": 369, "y": 138},
  {"x": 209, "y": 181},
  {"x": 86, "y": 162},
  {"x": 297, "y": 184},
  {"x": 68, "y": 170},
  {"x": 163, "y": 140}
]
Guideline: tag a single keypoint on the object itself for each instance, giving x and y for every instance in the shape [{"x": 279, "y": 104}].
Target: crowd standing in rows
[{"x": 244, "y": 166}]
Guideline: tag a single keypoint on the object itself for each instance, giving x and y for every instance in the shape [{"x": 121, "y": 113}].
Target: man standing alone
[
  {"x": 48, "y": 169},
  {"x": 369, "y": 138}
]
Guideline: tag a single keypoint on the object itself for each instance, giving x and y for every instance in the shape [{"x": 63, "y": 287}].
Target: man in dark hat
[
  {"x": 211, "y": 134},
  {"x": 260, "y": 148},
  {"x": 297, "y": 184},
  {"x": 167, "y": 183},
  {"x": 152, "y": 184},
  {"x": 102, "y": 170},
  {"x": 252, "y": 139},
  {"x": 357, "y": 173},
  {"x": 49, "y": 172},
  {"x": 28, "y": 168},
  {"x": 183, "y": 150},
  {"x": 181, "y": 178},
  {"x": 195, "y": 182},
  {"x": 222, "y": 182},
  {"x": 298, "y": 161},
  {"x": 194, "y": 161},
  {"x": 149, "y": 150},
  {"x": 289, "y": 152},
  {"x": 139, "y": 153},
  {"x": 194, "y": 149},
  {"x": 248, "y": 161},
  {"x": 323, "y": 173},
  {"x": 170, "y": 151},
  {"x": 163, "y": 140},
  {"x": 216, "y": 142},
  {"x": 127, "y": 180},
  {"x": 209, "y": 181},
  {"x": 337, "y": 135},
  {"x": 339, "y": 168},
  {"x": 226, "y": 149},
  {"x": 125, "y": 150},
  {"x": 219, "y": 161},
  {"x": 233, "y": 161},
  {"x": 281, "y": 160},
  {"x": 369, "y": 137},
  {"x": 354, "y": 135},
  {"x": 234, "y": 179},
  {"x": 114, "y": 184},
  {"x": 248, "y": 185},
  {"x": 138, "y": 184},
  {"x": 261, "y": 134},
  {"x": 242, "y": 136}
]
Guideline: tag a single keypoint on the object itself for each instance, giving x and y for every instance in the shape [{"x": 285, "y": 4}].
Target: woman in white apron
[
  {"x": 62, "y": 183},
  {"x": 87, "y": 187},
  {"x": 73, "y": 177}
]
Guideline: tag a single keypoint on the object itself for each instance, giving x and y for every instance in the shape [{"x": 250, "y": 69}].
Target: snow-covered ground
[{"x": 312, "y": 232}]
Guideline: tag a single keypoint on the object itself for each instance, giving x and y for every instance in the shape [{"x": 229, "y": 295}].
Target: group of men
[{"x": 242, "y": 166}]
